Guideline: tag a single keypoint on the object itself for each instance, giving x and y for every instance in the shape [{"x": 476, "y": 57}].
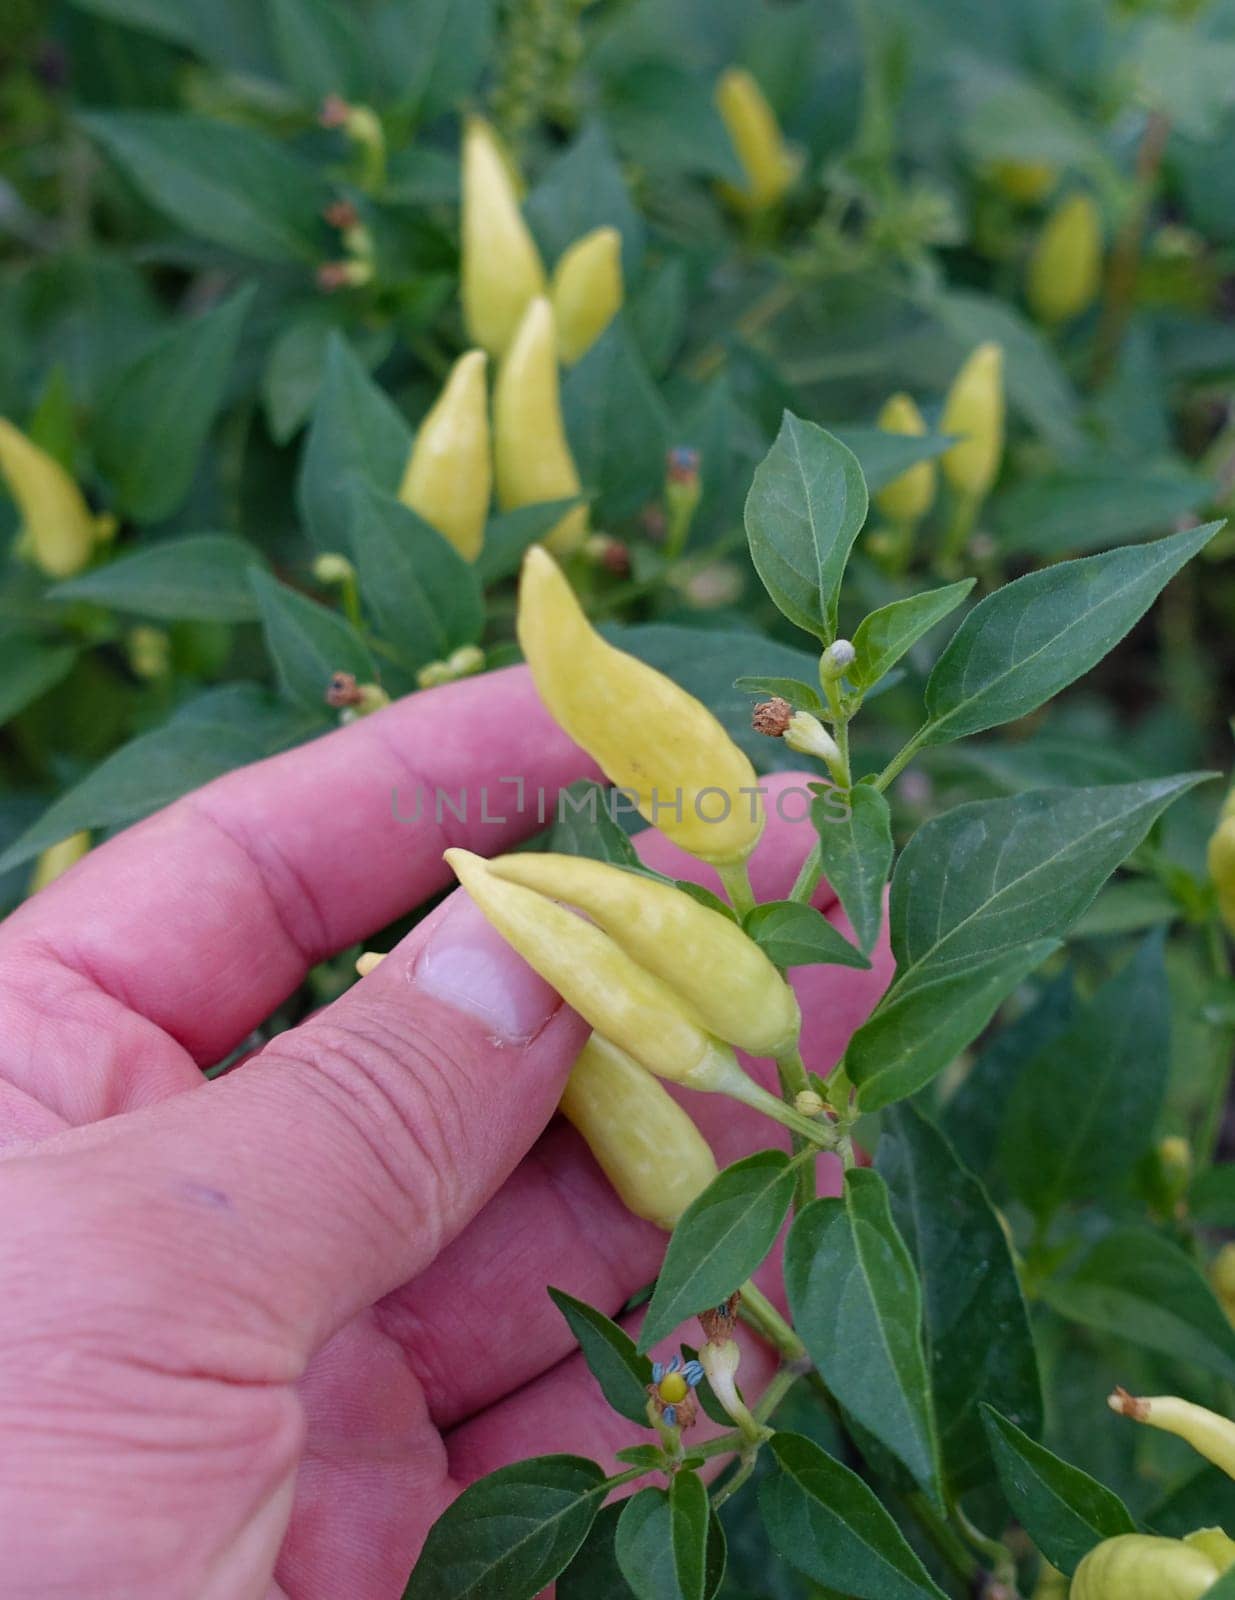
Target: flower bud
[
  {"x": 836, "y": 660},
  {"x": 644, "y": 1142},
  {"x": 57, "y": 859},
  {"x": 332, "y": 568},
  {"x": 501, "y": 267},
  {"x": 1137, "y": 1566},
  {"x": 703, "y": 956},
  {"x": 649, "y": 736},
  {"x": 809, "y": 1102},
  {"x": 58, "y": 530},
  {"x": 1209, "y": 1434},
  {"x": 771, "y": 166},
  {"x": 467, "y": 660},
  {"x": 587, "y": 291},
  {"x": 368, "y": 961},
  {"x": 531, "y": 453},
  {"x": 149, "y": 651},
  {"x": 1025, "y": 182},
  {"x": 908, "y": 498},
  {"x": 974, "y": 412},
  {"x": 1065, "y": 270},
  {"x": 448, "y": 477}
]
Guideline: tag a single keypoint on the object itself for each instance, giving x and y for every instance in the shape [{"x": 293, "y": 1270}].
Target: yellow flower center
[{"x": 673, "y": 1387}]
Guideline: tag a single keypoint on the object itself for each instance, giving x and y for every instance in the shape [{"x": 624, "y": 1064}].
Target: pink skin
[{"x": 256, "y": 1334}]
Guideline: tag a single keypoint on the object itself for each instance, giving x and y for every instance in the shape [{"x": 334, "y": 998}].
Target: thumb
[{"x": 335, "y": 1164}]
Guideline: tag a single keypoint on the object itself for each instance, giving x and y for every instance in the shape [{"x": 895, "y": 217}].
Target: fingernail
[{"x": 468, "y": 966}]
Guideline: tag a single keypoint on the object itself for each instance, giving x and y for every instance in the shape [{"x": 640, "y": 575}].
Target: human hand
[{"x": 256, "y": 1333}]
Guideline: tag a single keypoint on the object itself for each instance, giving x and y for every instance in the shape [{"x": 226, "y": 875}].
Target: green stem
[
  {"x": 901, "y": 759},
  {"x": 746, "y": 1465},
  {"x": 758, "y": 1098},
  {"x": 756, "y": 1309},
  {"x": 736, "y": 881},
  {"x": 994, "y": 1552},
  {"x": 793, "y": 1082},
  {"x": 807, "y": 880},
  {"x": 943, "y": 1537},
  {"x": 349, "y": 595},
  {"x": 1125, "y": 257},
  {"x": 965, "y": 510}
]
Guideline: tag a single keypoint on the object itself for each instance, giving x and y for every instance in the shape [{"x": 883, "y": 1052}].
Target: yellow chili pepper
[
  {"x": 645, "y": 1144},
  {"x": 1221, "y": 859},
  {"x": 974, "y": 412},
  {"x": 501, "y": 266},
  {"x": 57, "y": 859},
  {"x": 448, "y": 477},
  {"x": 1136, "y": 1566},
  {"x": 704, "y": 957},
  {"x": 1215, "y": 1544},
  {"x": 1065, "y": 270},
  {"x": 59, "y": 532},
  {"x": 908, "y": 498},
  {"x": 587, "y": 291},
  {"x": 1209, "y": 1434},
  {"x": 648, "y": 735},
  {"x": 1026, "y": 182},
  {"x": 771, "y": 166},
  {"x": 531, "y": 454}
]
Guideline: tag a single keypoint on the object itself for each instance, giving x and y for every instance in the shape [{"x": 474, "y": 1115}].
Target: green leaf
[
  {"x": 1064, "y": 1510},
  {"x": 156, "y": 415},
  {"x": 1084, "y": 1111},
  {"x": 584, "y": 826},
  {"x": 593, "y": 1573},
  {"x": 232, "y": 185},
  {"x": 510, "y": 1533},
  {"x": 210, "y": 735},
  {"x": 509, "y": 535},
  {"x": 883, "y": 456},
  {"x": 795, "y": 935},
  {"x": 1033, "y": 637},
  {"x": 424, "y": 598},
  {"x": 668, "y": 1545},
  {"x": 720, "y": 1240},
  {"x": 1140, "y": 1286},
  {"x": 1077, "y": 509},
  {"x": 978, "y": 1340},
  {"x": 825, "y": 1521},
  {"x": 356, "y": 433},
  {"x": 29, "y": 667},
  {"x": 201, "y": 578},
  {"x": 582, "y": 189},
  {"x": 433, "y": 51},
  {"x": 855, "y": 848},
  {"x": 617, "y": 424},
  {"x": 292, "y": 376},
  {"x": 319, "y": 48},
  {"x": 806, "y": 507},
  {"x": 857, "y": 1306},
  {"x": 308, "y": 644},
  {"x": 622, "y": 1373},
  {"x": 884, "y": 636},
  {"x": 799, "y": 695}
]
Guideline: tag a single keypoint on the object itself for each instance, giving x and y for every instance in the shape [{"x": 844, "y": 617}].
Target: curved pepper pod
[
  {"x": 1136, "y": 1566},
  {"x": 587, "y": 291},
  {"x": 648, "y": 735},
  {"x": 645, "y": 1144},
  {"x": 501, "y": 270},
  {"x": 58, "y": 530},
  {"x": 1065, "y": 269},
  {"x": 617, "y": 996},
  {"x": 974, "y": 412},
  {"x": 909, "y": 497},
  {"x": 706, "y": 959},
  {"x": 1209, "y": 1434},
  {"x": 448, "y": 478},
  {"x": 532, "y": 456},
  {"x": 771, "y": 166}
]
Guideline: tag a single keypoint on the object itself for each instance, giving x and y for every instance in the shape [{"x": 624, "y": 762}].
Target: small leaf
[
  {"x": 622, "y": 1373},
  {"x": 884, "y": 456},
  {"x": 308, "y": 643},
  {"x": 799, "y": 695},
  {"x": 668, "y": 1545},
  {"x": 806, "y": 507},
  {"x": 795, "y": 935},
  {"x": 320, "y": 49},
  {"x": 720, "y": 1240},
  {"x": 154, "y": 417},
  {"x": 885, "y": 636},
  {"x": 1033, "y": 637},
  {"x": 857, "y": 1306},
  {"x": 512, "y": 533},
  {"x": 510, "y": 1533},
  {"x": 1064, "y": 1510},
  {"x": 201, "y": 578},
  {"x": 825, "y": 1521},
  {"x": 29, "y": 667},
  {"x": 617, "y": 424},
  {"x": 855, "y": 848},
  {"x": 1140, "y": 1286}
]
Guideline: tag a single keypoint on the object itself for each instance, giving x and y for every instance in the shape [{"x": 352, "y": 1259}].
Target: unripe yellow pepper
[
  {"x": 587, "y": 291},
  {"x": 645, "y": 1144},
  {"x": 1136, "y": 1566},
  {"x": 532, "y": 456},
  {"x": 771, "y": 166},
  {"x": 1065, "y": 270},
  {"x": 448, "y": 478},
  {"x": 1221, "y": 859},
  {"x": 704, "y": 957},
  {"x": 1051, "y": 1584},
  {"x": 1209, "y": 1434},
  {"x": 57, "y": 859},
  {"x": 59, "y": 531},
  {"x": 1025, "y": 182},
  {"x": 908, "y": 498},
  {"x": 501, "y": 267},
  {"x": 974, "y": 412},
  {"x": 649, "y": 736}
]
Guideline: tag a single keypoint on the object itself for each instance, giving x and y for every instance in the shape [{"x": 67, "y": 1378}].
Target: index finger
[{"x": 207, "y": 915}]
